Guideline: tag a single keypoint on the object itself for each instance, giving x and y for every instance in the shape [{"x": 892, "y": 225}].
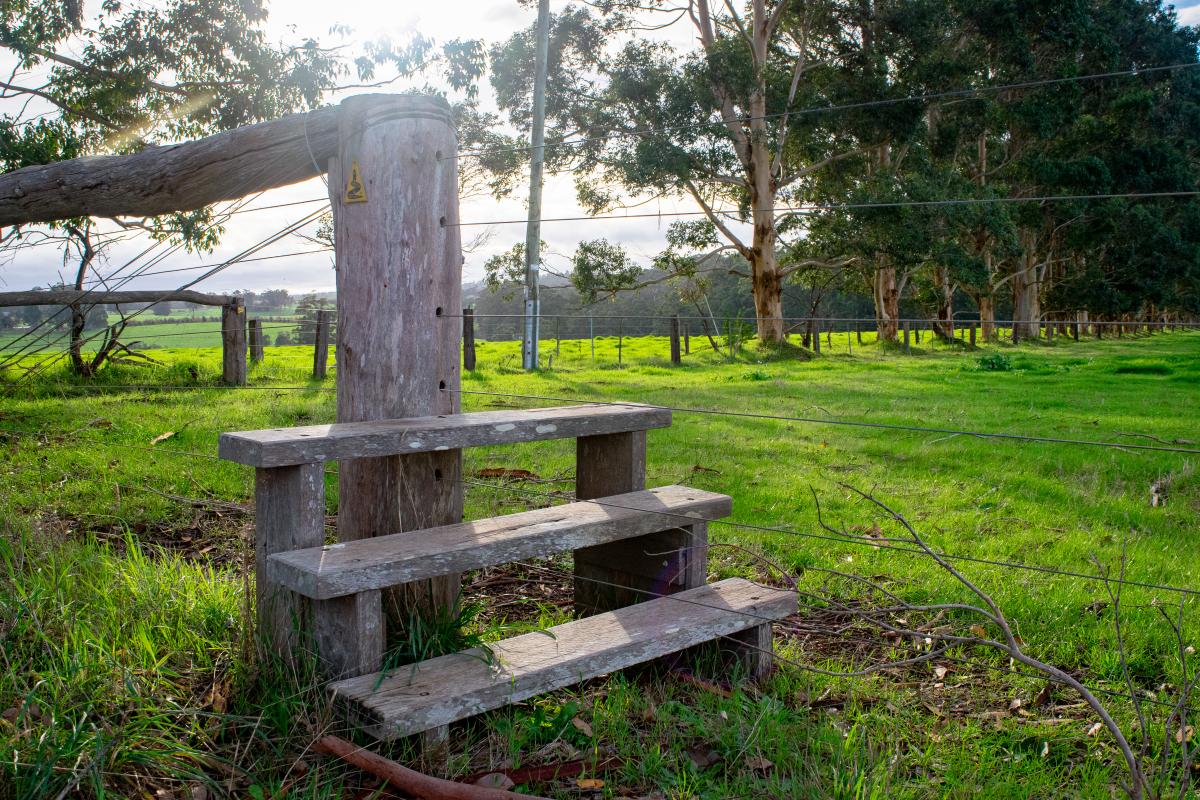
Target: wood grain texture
[
  {"x": 289, "y": 514},
  {"x": 386, "y": 437},
  {"x": 321, "y": 346},
  {"x": 233, "y": 343},
  {"x": 399, "y": 266},
  {"x": 468, "y": 321},
  {"x": 66, "y": 297},
  {"x": 348, "y": 634},
  {"x": 608, "y": 465},
  {"x": 256, "y": 340},
  {"x": 341, "y": 569},
  {"x": 191, "y": 175},
  {"x": 454, "y": 687}
]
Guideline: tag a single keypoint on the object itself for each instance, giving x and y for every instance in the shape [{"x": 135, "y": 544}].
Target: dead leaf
[
  {"x": 1015, "y": 704},
  {"x": 978, "y": 631},
  {"x": 10, "y": 714},
  {"x": 703, "y": 756},
  {"x": 1043, "y": 697},
  {"x": 759, "y": 764},
  {"x": 939, "y": 672},
  {"x": 496, "y": 780},
  {"x": 589, "y": 783},
  {"x": 1092, "y": 731},
  {"x": 162, "y": 437},
  {"x": 582, "y": 726},
  {"x": 1184, "y": 734}
]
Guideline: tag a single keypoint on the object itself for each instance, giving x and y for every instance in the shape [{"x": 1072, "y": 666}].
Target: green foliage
[{"x": 994, "y": 362}]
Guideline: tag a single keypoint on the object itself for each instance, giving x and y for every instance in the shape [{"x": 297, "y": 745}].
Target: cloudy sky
[{"x": 449, "y": 19}]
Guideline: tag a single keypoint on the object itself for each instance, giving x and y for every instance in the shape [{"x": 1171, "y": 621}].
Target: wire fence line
[
  {"x": 1017, "y": 437},
  {"x": 820, "y": 208},
  {"x": 853, "y": 106},
  {"x": 863, "y": 541}
]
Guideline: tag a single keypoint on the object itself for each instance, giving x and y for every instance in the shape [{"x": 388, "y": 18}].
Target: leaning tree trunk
[
  {"x": 78, "y": 311},
  {"x": 987, "y": 317},
  {"x": 944, "y": 325},
  {"x": 887, "y": 298}
]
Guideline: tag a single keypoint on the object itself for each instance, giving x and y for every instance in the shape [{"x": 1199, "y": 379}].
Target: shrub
[{"x": 995, "y": 362}]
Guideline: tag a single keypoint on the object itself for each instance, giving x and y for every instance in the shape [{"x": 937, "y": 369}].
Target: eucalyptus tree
[
  {"x": 113, "y": 77},
  {"x": 731, "y": 125}
]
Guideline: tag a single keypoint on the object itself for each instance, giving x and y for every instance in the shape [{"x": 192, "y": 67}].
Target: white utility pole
[{"x": 533, "y": 231}]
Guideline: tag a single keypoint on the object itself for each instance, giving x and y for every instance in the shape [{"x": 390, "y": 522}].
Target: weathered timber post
[
  {"x": 321, "y": 345},
  {"x": 972, "y": 334},
  {"x": 620, "y": 341},
  {"x": 394, "y": 189},
  {"x": 687, "y": 339},
  {"x": 256, "y": 341},
  {"x": 816, "y": 336},
  {"x": 469, "y": 339},
  {"x": 233, "y": 343},
  {"x": 675, "y": 356},
  {"x": 858, "y": 332},
  {"x": 907, "y": 345}
]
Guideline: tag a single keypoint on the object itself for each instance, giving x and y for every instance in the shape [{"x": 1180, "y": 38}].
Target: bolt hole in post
[{"x": 438, "y": 311}]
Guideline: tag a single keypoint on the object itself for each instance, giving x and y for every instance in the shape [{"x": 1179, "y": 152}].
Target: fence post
[
  {"x": 816, "y": 338},
  {"x": 907, "y": 346},
  {"x": 321, "y": 345},
  {"x": 394, "y": 189},
  {"x": 972, "y": 334},
  {"x": 620, "y": 341},
  {"x": 469, "y": 339},
  {"x": 858, "y": 332},
  {"x": 849, "y": 341},
  {"x": 592, "y": 338},
  {"x": 256, "y": 341},
  {"x": 675, "y": 358},
  {"x": 233, "y": 343},
  {"x": 687, "y": 338}
]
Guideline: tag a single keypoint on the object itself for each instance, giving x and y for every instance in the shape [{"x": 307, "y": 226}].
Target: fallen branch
[{"x": 410, "y": 781}]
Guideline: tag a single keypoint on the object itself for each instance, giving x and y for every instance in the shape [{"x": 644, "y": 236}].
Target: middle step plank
[{"x": 337, "y": 570}]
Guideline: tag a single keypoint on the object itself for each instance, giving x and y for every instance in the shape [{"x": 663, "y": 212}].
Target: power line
[
  {"x": 847, "y": 423},
  {"x": 816, "y": 208},
  {"x": 243, "y": 261},
  {"x": 856, "y": 106}
]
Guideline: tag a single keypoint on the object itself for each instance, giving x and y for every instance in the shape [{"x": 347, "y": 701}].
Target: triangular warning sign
[{"x": 356, "y": 190}]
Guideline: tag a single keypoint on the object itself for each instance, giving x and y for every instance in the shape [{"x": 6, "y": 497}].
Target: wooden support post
[
  {"x": 289, "y": 514},
  {"x": 1050, "y": 332},
  {"x": 468, "y": 339},
  {"x": 972, "y": 334},
  {"x": 233, "y": 343},
  {"x": 256, "y": 341},
  {"x": 687, "y": 339},
  {"x": 849, "y": 341},
  {"x": 1075, "y": 328},
  {"x": 907, "y": 345},
  {"x": 918, "y": 333},
  {"x": 622, "y": 573},
  {"x": 675, "y": 356},
  {"x": 321, "y": 345},
  {"x": 858, "y": 332},
  {"x": 816, "y": 336},
  {"x": 394, "y": 190}
]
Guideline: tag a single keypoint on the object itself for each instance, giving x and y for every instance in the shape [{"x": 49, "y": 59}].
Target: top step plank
[{"x": 312, "y": 444}]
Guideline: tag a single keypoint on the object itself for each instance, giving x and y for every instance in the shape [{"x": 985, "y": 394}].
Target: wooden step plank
[
  {"x": 336, "y": 570},
  {"x": 450, "y": 688},
  {"x": 277, "y": 447}
]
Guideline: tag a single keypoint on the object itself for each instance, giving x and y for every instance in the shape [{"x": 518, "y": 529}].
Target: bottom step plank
[{"x": 415, "y": 698}]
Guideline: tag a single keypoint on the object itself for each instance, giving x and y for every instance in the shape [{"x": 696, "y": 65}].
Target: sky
[{"x": 491, "y": 20}]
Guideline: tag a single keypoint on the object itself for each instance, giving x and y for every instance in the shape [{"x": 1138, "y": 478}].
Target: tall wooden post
[
  {"x": 321, "y": 345},
  {"x": 675, "y": 356},
  {"x": 816, "y": 336},
  {"x": 907, "y": 345},
  {"x": 468, "y": 339},
  {"x": 256, "y": 341},
  {"x": 233, "y": 343},
  {"x": 972, "y": 334},
  {"x": 394, "y": 189},
  {"x": 687, "y": 339}
]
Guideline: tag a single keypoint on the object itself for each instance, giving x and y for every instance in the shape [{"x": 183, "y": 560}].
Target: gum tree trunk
[
  {"x": 887, "y": 298},
  {"x": 1026, "y": 290}
]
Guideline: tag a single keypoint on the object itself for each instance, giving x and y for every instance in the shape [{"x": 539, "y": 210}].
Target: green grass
[{"x": 115, "y": 628}]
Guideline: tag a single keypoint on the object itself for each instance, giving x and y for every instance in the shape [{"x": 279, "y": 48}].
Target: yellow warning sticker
[{"x": 356, "y": 190}]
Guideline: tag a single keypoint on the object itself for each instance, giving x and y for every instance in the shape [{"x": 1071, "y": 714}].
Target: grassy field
[{"x": 123, "y": 597}]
